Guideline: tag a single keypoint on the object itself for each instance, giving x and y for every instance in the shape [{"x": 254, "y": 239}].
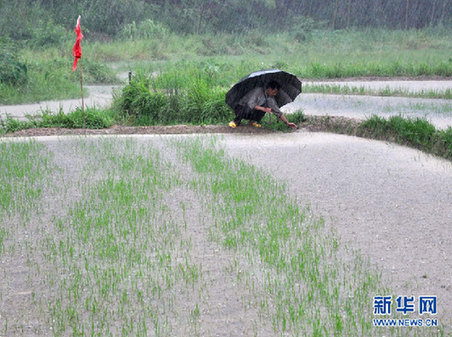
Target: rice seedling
[
  {"x": 301, "y": 278},
  {"x": 24, "y": 168},
  {"x": 118, "y": 252},
  {"x": 110, "y": 260}
]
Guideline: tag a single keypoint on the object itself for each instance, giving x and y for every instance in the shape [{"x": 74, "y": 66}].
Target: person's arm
[
  {"x": 278, "y": 113},
  {"x": 261, "y": 108},
  {"x": 289, "y": 124}
]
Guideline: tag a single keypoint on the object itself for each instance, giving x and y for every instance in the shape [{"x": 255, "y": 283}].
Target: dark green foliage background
[
  {"x": 44, "y": 21},
  {"x": 12, "y": 70}
]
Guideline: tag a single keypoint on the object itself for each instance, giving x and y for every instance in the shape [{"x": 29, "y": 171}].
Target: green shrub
[
  {"x": 13, "y": 125},
  {"x": 418, "y": 132},
  {"x": 443, "y": 143}
]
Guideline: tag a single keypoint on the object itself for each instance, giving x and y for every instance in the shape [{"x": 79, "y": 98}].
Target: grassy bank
[{"x": 94, "y": 119}]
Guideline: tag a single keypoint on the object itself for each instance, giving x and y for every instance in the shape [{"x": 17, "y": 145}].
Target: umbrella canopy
[{"x": 290, "y": 86}]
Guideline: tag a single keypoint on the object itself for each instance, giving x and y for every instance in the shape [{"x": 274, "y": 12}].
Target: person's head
[{"x": 272, "y": 87}]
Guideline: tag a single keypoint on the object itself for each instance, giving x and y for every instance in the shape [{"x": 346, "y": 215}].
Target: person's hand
[
  {"x": 292, "y": 125},
  {"x": 268, "y": 110}
]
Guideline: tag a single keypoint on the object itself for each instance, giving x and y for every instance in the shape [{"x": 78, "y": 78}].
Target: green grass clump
[
  {"x": 417, "y": 133},
  {"x": 300, "y": 282},
  {"x": 171, "y": 98},
  {"x": 94, "y": 119},
  {"x": 390, "y": 68}
]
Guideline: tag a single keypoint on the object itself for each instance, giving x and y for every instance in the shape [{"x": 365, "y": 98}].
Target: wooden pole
[{"x": 83, "y": 101}]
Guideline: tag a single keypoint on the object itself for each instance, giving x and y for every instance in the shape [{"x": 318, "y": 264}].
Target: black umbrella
[{"x": 290, "y": 86}]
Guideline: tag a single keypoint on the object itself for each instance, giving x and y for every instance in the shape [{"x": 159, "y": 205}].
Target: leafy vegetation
[{"x": 189, "y": 96}]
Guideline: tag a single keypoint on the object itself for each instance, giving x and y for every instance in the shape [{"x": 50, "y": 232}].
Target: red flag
[{"x": 77, "y": 50}]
